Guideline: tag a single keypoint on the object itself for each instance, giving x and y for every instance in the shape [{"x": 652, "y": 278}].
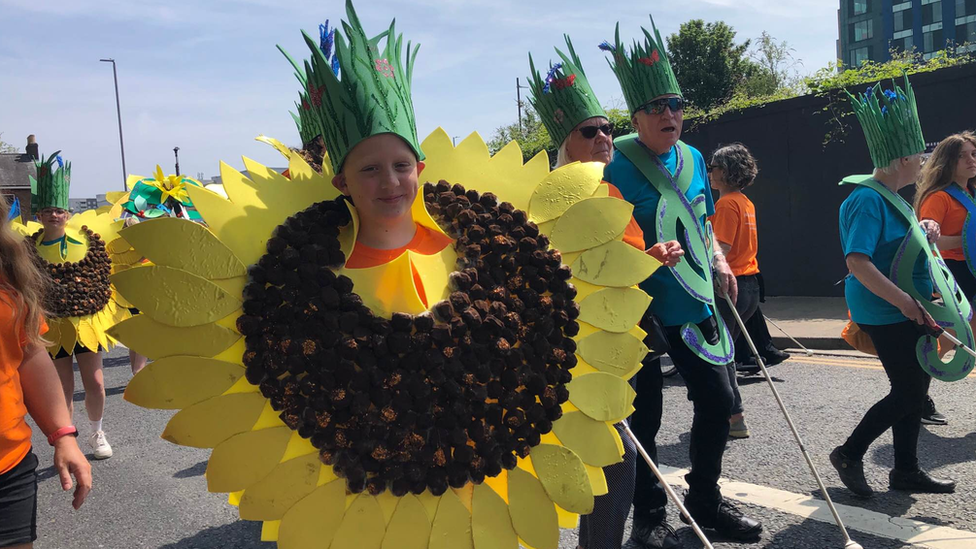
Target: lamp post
[
  {"x": 118, "y": 110},
  {"x": 518, "y": 99},
  {"x": 176, "y": 153}
]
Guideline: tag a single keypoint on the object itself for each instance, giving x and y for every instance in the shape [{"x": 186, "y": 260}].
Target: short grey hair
[
  {"x": 737, "y": 163},
  {"x": 893, "y": 166}
]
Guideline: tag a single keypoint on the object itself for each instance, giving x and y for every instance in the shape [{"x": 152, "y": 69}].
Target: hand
[
  {"x": 668, "y": 253},
  {"x": 932, "y": 230},
  {"x": 914, "y": 311},
  {"x": 69, "y": 461},
  {"x": 725, "y": 283}
]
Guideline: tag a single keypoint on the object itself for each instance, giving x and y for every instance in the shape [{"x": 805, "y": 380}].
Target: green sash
[
  {"x": 673, "y": 209},
  {"x": 955, "y": 311}
]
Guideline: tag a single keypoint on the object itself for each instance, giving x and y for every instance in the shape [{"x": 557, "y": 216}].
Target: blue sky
[{"x": 204, "y": 75}]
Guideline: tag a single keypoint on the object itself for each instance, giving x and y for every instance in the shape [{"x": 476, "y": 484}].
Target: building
[
  {"x": 15, "y": 172},
  {"x": 78, "y": 205},
  {"x": 870, "y": 29}
]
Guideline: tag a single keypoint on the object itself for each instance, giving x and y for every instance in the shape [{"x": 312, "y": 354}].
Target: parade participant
[
  {"x": 405, "y": 349},
  {"x": 80, "y": 300},
  {"x": 730, "y": 170},
  {"x": 665, "y": 181},
  {"x": 29, "y": 385},
  {"x": 945, "y": 196},
  {"x": 890, "y": 288},
  {"x": 576, "y": 122}
]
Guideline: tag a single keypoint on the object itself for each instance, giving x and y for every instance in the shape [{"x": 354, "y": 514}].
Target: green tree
[
  {"x": 707, "y": 62},
  {"x": 772, "y": 68},
  {"x": 620, "y": 119},
  {"x": 6, "y": 147},
  {"x": 532, "y": 136}
]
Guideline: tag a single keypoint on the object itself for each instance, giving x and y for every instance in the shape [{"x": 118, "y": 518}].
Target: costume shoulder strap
[{"x": 968, "y": 227}]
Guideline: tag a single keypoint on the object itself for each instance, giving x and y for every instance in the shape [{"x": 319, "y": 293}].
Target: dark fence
[{"x": 797, "y": 195}]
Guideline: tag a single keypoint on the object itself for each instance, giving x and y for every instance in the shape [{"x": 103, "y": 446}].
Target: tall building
[{"x": 870, "y": 29}]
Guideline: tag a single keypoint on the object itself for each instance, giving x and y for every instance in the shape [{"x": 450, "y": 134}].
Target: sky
[{"x": 205, "y": 76}]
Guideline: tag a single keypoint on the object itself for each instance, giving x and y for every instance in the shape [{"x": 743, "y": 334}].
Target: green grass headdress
[
  {"x": 564, "y": 98},
  {"x": 645, "y": 72},
  {"x": 890, "y": 122},
  {"x": 50, "y": 189}
]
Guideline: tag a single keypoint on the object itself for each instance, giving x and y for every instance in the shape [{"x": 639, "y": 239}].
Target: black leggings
[
  {"x": 964, "y": 277},
  {"x": 901, "y": 410}
]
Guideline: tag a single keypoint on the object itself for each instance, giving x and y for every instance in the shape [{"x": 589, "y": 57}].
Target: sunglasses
[
  {"x": 589, "y": 132},
  {"x": 676, "y": 104}
]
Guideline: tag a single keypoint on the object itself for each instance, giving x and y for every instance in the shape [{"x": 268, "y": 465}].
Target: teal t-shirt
[
  {"x": 871, "y": 226},
  {"x": 671, "y": 303}
]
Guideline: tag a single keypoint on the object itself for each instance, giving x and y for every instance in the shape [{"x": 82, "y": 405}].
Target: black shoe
[
  {"x": 773, "y": 356},
  {"x": 931, "y": 416},
  {"x": 919, "y": 481},
  {"x": 725, "y": 519},
  {"x": 747, "y": 368},
  {"x": 652, "y": 535},
  {"x": 851, "y": 472}
]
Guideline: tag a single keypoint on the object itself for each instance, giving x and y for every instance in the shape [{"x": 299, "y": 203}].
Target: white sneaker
[{"x": 100, "y": 445}]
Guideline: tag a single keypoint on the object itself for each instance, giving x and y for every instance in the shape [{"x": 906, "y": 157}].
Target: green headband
[
  {"x": 50, "y": 189},
  {"x": 373, "y": 95},
  {"x": 644, "y": 73},
  {"x": 564, "y": 98},
  {"x": 890, "y": 122}
]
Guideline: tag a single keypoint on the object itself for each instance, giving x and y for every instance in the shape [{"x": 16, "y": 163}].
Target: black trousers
[
  {"x": 964, "y": 277},
  {"x": 710, "y": 391},
  {"x": 746, "y": 305},
  {"x": 901, "y": 409}
]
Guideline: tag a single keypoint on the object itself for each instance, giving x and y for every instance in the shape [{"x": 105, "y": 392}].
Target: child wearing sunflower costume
[
  {"x": 80, "y": 302},
  {"x": 380, "y": 363}
]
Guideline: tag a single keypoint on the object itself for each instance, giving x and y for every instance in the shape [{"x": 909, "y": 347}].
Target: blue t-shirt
[
  {"x": 870, "y": 225},
  {"x": 671, "y": 303}
]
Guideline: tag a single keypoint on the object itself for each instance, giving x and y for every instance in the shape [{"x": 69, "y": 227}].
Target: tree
[
  {"x": 7, "y": 147},
  {"x": 532, "y": 137},
  {"x": 772, "y": 68},
  {"x": 707, "y": 62}
]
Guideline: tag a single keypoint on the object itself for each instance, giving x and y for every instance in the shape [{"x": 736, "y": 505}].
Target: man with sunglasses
[{"x": 666, "y": 181}]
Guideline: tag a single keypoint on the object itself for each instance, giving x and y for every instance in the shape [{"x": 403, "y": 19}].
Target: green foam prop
[
  {"x": 50, "y": 188},
  {"x": 645, "y": 72}
]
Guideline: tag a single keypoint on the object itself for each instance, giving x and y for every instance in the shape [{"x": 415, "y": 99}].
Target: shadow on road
[
  {"x": 193, "y": 471},
  {"x": 241, "y": 534}
]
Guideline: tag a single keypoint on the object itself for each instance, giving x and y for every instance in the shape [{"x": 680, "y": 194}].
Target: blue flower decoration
[
  {"x": 551, "y": 76},
  {"x": 326, "y": 42},
  {"x": 607, "y": 46},
  {"x": 60, "y": 161}
]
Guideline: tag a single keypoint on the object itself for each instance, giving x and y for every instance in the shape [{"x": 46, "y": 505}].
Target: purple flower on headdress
[
  {"x": 550, "y": 76},
  {"x": 326, "y": 42},
  {"x": 607, "y": 46}
]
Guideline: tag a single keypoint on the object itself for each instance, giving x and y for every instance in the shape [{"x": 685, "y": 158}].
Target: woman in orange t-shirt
[{"x": 28, "y": 384}]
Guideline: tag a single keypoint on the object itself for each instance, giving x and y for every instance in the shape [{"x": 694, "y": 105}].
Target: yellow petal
[
  {"x": 590, "y": 223},
  {"x": 156, "y": 340},
  {"x": 409, "y": 527},
  {"x": 491, "y": 526},
  {"x": 562, "y": 474},
  {"x": 434, "y": 270},
  {"x": 593, "y": 441},
  {"x": 212, "y": 421},
  {"x": 567, "y": 519},
  {"x": 175, "y": 297},
  {"x": 183, "y": 244},
  {"x": 451, "y": 528},
  {"x": 615, "y": 264},
  {"x": 243, "y": 459},
  {"x": 533, "y": 513},
  {"x": 269, "y": 530},
  {"x": 238, "y": 231},
  {"x": 564, "y": 187},
  {"x": 87, "y": 336},
  {"x": 619, "y": 354},
  {"x": 69, "y": 334},
  {"x": 387, "y": 288},
  {"x": 603, "y": 397},
  {"x": 614, "y": 309},
  {"x": 180, "y": 381},
  {"x": 286, "y": 485},
  {"x": 362, "y": 527},
  {"x": 598, "y": 480},
  {"x": 313, "y": 521}
]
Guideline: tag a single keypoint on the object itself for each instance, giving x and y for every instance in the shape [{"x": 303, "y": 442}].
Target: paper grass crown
[
  {"x": 564, "y": 97},
  {"x": 307, "y": 119},
  {"x": 890, "y": 122},
  {"x": 367, "y": 94},
  {"x": 50, "y": 189},
  {"x": 645, "y": 72}
]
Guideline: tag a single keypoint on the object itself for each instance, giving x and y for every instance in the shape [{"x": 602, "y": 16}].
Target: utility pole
[
  {"x": 118, "y": 110},
  {"x": 518, "y": 99},
  {"x": 176, "y": 153}
]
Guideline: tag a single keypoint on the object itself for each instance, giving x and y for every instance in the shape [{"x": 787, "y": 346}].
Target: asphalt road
[{"x": 152, "y": 494}]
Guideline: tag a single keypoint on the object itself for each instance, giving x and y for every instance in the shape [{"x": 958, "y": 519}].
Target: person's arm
[
  {"x": 868, "y": 274},
  {"x": 724, "y": 279},
  {"x": 45, "y": 403},
  {"x": 726, "y": 248}
]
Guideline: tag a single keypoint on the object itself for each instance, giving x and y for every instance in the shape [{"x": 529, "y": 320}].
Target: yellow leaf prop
[
  {"x": 155, "y": 289},
  {"x": 200, "y": 252},
  {"x": 181, "y": 381}
]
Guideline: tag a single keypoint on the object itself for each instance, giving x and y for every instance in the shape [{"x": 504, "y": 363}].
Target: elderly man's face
[{"x": 658, "y": 124}]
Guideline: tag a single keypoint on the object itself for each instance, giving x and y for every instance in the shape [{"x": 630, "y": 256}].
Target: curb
[{"x": 813, "y": 343}]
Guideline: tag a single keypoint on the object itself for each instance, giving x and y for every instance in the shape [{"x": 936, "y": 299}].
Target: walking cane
[
  {"x": 939, "y": 331},
  {"x": 848, "y": 542},
  {"x": 667, "y": 487},
  {"x": 778, "y": 327}
]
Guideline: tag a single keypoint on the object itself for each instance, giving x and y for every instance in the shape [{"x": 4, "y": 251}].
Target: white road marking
[{"x": 855, "y": 518}]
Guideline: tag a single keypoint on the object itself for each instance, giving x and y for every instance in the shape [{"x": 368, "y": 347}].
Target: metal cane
[
  {"x": 667, "y": 487},
  {"x": 848, "y": 542},
  {"x": 778, "y": 327}
]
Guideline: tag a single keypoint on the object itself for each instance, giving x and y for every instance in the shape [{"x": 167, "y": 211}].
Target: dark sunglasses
[
  {"x": 676, "y": 104},
  {"x": 589, "y": 132}
]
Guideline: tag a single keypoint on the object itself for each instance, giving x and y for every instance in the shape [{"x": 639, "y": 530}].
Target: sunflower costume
[
  {"x": 344, "y": 409},
  {"x": 81, "y": 301},
  {"x": 158, "y": 196}
]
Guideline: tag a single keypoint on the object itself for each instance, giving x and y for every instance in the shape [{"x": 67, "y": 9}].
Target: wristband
[{"x": 64, "y": 431}]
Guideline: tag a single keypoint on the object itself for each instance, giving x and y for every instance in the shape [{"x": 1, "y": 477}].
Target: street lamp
[
  {"x": 118, "y": 110},
  {"x": 176, "y": 153}
]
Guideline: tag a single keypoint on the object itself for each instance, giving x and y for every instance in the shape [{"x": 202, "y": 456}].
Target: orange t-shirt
[
  {"x": 950, "y": 214},
  {"x": 425, "y": 241},
  {"x": 633, "y": 234},
  {"x": 15, "y": 433},
  {"x": 734, "y": 224}
]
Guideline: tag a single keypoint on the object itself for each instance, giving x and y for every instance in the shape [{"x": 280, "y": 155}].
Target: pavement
[
  {"x": 816, "y": 322},
  {"x": 152, "y": 494}
]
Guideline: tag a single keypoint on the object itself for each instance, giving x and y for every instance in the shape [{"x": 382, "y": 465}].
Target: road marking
[
  {"x": 855, "y": 518},
  {"x": 865, "y": 364}
]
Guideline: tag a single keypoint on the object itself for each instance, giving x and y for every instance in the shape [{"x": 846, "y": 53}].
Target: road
[{"x": 152, "y": 494}]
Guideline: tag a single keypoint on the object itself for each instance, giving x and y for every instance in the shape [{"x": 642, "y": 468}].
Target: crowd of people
[{"x": 707, "y": 249}]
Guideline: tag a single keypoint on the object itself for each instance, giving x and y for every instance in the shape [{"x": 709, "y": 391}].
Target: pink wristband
[{"x": 69, "y": 430}]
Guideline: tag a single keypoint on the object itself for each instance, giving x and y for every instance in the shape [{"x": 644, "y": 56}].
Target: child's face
[
  {"x": 380, "y": 175},
  {"x": 53, "y": 218}
]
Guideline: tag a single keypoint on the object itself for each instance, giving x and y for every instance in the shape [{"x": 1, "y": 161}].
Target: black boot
[
  {"x": 920, "y": 482},
  {"x": 652, "y": 534},
  {"x": 851, "y": 472},
  {"x": 724, "y": 518},
  {"x": 773, "y": 356}
]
